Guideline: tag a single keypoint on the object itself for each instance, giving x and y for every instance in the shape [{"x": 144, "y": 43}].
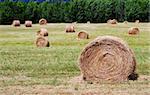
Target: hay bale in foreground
[
  {"x": 16, "y": 23},
  {"x": 107, "y": 59},
  {"x": 83, "y": 35},
  {"x": 70, "y": 29},
  {"x": 28, "y": 23},
  {"x": 114, "y": 21},
  {"x": 42, "y": 32},
  {"x": 42, "y": 42},
  {"x": 42, "y": 21},
  {"x": 133, "y": 31}
]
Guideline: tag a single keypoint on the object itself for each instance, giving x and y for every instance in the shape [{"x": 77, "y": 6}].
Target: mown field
[{"x": 28, "y": 70}]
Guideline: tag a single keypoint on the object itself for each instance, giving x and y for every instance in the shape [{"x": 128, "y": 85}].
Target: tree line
[{"x": 95, "y": 11}]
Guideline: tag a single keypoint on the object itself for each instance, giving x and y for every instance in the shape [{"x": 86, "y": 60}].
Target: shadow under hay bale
[
  {"x": 107, "y": 59},
  {"x": 42, "y": 32},
  {"x": 83, "y": 35},
  {"x": 70, "y": 29},
  {"x": 42, "y": 21},
  {"x": 42, "y": 42},
  {"x": 114, "y": 21},
  {"x": 28, "y": 23},
  {"x": 133, "y": 31},
  {"x": 16, "y": 23}
]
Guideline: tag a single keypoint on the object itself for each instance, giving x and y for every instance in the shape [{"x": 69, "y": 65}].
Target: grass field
[{"x": 26, "y": 69}]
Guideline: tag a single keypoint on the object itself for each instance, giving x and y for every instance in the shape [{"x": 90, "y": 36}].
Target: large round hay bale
[
  {"x": 114, "y": 21},
  {"x": 107, "y": 59},
  {"x": 42, "y": 42},
  {"x": 42, "y": 32},
  {"x": 16, "y": 23},
  {"x": 70, "y": 29},
  {"x": 28, "y": 23},
  {"x": 83, "y": 35},
  {"x": 88, "y": 22},
  {"x": 133, "y": 31},
  {"x": 42, "y": 21}
]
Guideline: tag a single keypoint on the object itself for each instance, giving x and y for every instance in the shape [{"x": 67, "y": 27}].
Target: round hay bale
[
  {"x": 125, "y": 22},
  {"x": 88, "y": 22},
  {"x": 107, "y": 59},
  {"x": 42, "y": 21},
  {"x": 114, "y": 21},
  {"x": 70, "y": 29},
  {"x": 42, "y": 32},
  {"x": 133, "y": 31},
  {"x": 16, "y": 23},
  {"x": 28, "y": 23},
  {"x": 137, "y": 21},
  {"x": 42, "y": 42},
  {"x": 83, "y": 35}
]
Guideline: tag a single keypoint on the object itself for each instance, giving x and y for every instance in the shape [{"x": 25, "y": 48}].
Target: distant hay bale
[
  {"x": 83, "y": 35},
  {"x": 28, "y": 23},
  {"x": 88, "y": 22},
  {"x": 16, "y": 23},
  {"x": 125, "y": 22},
  {"x": 137, "y": 21},
  {"x": 114, "y": 21},
  {"x": 42, "y": 42},
  {"x": 42, "y": 21},
  {"x": 107, "y": 59},
  {"x": 70, "y": 29},
  {"x": 42, "y": 32},
  {"x": 133, "y": 31}
]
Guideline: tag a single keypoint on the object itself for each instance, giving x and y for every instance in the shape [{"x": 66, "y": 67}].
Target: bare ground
[{"x": 76, "y": 86}]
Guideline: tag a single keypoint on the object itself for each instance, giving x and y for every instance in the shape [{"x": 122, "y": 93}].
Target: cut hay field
[{"x": 28, "y": 70}]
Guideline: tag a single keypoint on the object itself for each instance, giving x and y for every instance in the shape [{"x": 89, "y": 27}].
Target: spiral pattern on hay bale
[
  {"x": 42, "y": 42},
  {"x": 83, "y": 35},
  {"x": 107, "y": 59},
  {"x": 16, "y": 23},
  {"x": 43, "y": 32},
  {"x": 28, "y": 23},
  {"x": 114, "y": 21},
  {"x": 70, "y": 29},
  {"x": 42, "y": 21},
  {"x": 133, "y": 31}
]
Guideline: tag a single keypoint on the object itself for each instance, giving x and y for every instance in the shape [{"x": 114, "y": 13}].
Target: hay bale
[
  {"x": 16, "y": 23},
  {"x": 114, "y": 21},
  {"x": 28, "y": 23},
  {"x": 133, "y": 31},
  {"x": 70, "y": 29},
  {"x": 42, "y": 42},
  {"x": 107, "y": 59},
  {"x": 42, "y": 21},
  {"x": 88, "y": 22},
  {"x": 83, "y": 35},
  {"x": 137, "y": 21},
  {"x": 125, "y": 22},
  {"x": 42, "y": 32}
]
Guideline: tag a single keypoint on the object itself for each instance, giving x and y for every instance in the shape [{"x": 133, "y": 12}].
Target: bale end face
[
  {"x": 16, "y": 23},
  {"x": 133, "y": 31},
  {"x": 114, "y": 21},
  {"x": 83, "y": 35},
  {"x": 42, "y": 21},
  {"x": 42, "y": 42},
  {"x": 107, "y": 59}
]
